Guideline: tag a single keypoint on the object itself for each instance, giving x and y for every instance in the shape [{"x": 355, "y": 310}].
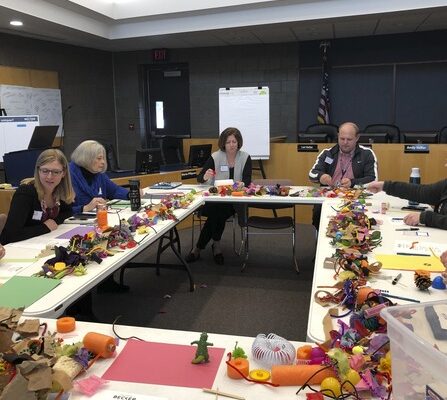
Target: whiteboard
[
  {"x": 23, "y": 100},
  {"x": 16, "y": 132},
  {"x": 247, "y": 109}
]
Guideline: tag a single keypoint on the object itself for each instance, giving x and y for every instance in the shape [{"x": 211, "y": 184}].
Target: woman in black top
[{"x": 40, "y": 203}]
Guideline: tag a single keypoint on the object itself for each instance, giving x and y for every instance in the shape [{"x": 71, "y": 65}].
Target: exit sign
[{"x": 159, "y": 54}]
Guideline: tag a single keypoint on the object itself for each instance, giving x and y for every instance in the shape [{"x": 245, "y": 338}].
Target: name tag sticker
[
  {"x": 329, "y": 160},
  {"x": 224, "y": 168},
  {"x": 37, "y": 215}
]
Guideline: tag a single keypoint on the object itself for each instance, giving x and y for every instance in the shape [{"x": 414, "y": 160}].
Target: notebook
[{"x": 166, "y": 185}]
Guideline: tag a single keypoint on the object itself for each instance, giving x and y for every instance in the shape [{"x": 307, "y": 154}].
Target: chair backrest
[
  {"x": 19, "y": 165},
  {"x": 393, "y": 131},
  {"x": 112, "y": 160},
  {"x": 3, "y": 218},
  {"x": 329, "y": 129},
  {"x": 443, "y": 135},
  {"x": 172, "y": 150}
]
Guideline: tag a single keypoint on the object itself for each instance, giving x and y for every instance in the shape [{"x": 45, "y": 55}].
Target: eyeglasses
[{"x": 54, "y": 172}]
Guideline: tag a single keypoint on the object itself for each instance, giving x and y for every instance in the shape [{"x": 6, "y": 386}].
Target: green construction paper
[{"x": 22, "y": 291}]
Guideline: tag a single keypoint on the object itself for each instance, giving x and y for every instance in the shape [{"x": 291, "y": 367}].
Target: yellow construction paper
[{"x": 410, "y": 263}]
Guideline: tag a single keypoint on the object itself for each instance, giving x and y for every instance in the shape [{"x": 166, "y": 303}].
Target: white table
[
  {"x": 242, "y": 388},
  {"x": 405, "y": 287},
  {"x": 267, "y": 198},
  {"x": 72, "y": 288}
]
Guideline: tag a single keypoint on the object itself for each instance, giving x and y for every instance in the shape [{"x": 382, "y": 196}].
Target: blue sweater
[{"x": 101, "y": 186}]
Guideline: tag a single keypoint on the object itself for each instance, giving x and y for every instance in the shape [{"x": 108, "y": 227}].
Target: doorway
[{"x": 167, "y": 101}]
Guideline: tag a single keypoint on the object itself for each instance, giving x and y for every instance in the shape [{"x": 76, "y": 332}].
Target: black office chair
[
  {"x": 254, "y": 224},
  {"x": 112, "y": 159},
  {"x": 172, "y": 150},
  {"x": 443, "y": 135},
  {"x": 328, "y": 129},
  {"x": 197, "y": 219},
  {"x": 393, "y": 131}
]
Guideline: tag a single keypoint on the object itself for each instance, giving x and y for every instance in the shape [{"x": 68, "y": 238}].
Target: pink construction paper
[
  {"x": 79, "y": 230},
  {"x": 164, "y": 364}
]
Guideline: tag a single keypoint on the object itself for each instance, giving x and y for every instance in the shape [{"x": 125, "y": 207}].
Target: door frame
[{"x": 148, "y": 139}]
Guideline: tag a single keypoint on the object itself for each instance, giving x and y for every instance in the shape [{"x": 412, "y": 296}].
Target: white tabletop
[
  {"x": 73, "y": 287},
  {"x": 242, "y": 388},
  {"x": 405, "y": 286}
]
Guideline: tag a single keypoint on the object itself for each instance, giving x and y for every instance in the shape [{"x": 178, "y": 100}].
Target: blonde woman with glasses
[{"x": 42, "y": 202}]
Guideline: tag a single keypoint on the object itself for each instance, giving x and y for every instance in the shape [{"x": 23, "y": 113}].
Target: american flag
[{"x": 324, "y": 106}]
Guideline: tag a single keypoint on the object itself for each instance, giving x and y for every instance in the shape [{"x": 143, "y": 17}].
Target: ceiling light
[{"x": 16, "y": 23}]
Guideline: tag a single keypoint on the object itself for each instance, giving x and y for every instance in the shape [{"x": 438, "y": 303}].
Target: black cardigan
[
  {"x": 435, "y": 194},
  {"x": 25, "y": 205}
]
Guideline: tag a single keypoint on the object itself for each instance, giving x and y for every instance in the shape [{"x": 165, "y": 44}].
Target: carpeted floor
[{"x": 269, "y": 296}]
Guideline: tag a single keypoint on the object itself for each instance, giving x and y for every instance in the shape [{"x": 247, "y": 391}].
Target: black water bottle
[
  {"x": 134, "y": 194},
  {"x": 415, "y": 177}
]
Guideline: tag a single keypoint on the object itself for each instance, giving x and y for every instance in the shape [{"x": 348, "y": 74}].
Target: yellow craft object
[
  {"x": 260, "y": 375},
  {"x": 141, "y": 230},
  {"x": 59, "y": 266},
  {"x": 330, "y": 387},
  {"x": 5, "y": 186}
]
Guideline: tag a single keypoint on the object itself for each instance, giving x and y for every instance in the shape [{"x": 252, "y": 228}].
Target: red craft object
[{"x": 314, "y": 396}]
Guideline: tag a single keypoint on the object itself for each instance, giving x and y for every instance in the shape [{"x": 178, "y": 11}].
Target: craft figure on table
[
  {"x": 202, "y": 355},
  {"x": 238, "y": 352}
]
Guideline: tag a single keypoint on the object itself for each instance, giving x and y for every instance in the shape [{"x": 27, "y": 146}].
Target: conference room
[{"x": 149, "y": 85}]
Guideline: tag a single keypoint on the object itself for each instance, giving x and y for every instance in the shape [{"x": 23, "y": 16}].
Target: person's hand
[
  {"x": 94, "y": 203},
  {"x": 326, "y": 180},
  {"x": 375, "y": 187},
  {"x": 209, "y": 174},
  {"x": 51, "y": 224},
  {"x": 2, "y": 251},
  {"x": 346, "y": 183},
  {"x": 444, "y": 259},
  {"x": 412, "y": 219}
]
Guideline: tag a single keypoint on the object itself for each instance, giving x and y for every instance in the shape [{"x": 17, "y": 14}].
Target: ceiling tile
[
  {"x": 399, "y": 23},
  {"x": 355, "y": 27}
]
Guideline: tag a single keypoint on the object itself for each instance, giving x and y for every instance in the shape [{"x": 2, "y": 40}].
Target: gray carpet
[{"x": 269, "y": 296}]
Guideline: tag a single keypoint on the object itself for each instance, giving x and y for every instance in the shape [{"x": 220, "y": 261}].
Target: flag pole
[{"x": 324, "y": 105}]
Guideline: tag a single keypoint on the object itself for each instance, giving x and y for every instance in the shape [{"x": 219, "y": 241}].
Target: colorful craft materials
[
  {"x": 422, "y": 279},
  {"x": 237, "y": 368},
  {"x": 100, "y": 345},
  {"x": 272, "y": 349}
]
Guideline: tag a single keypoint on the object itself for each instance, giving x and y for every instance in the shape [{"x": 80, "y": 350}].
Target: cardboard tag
[{"x": 329, "y": 262}]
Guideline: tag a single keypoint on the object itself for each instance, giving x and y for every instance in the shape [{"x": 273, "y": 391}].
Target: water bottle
[
  {"x": 134, "y": 194},
  {"x": 415, "y": 177},
  {"x": 101, "y": 216}
]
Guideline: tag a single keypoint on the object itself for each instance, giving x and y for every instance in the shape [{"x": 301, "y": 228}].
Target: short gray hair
[{"x": 86, "y": 152}]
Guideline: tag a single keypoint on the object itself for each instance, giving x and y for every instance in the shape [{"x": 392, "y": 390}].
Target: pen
[
  {"x": 401, "y": 298},
  {"x": 407, "y": 229},
  {"x": 413, "y": 254},
  {"x": 396, "y": 279},
  {"x": 397, "y": 219}
]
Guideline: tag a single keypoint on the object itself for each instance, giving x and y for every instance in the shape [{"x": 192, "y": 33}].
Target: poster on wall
[
  {"x": 23, "y": 100},
  {"x": 247, "y": 108}
]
